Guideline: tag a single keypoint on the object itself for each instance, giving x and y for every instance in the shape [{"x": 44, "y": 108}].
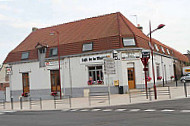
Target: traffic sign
[{"x": 109, "y": 66}]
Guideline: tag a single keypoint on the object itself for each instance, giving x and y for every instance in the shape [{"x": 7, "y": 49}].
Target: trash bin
[{"x": 120, "y": 89}]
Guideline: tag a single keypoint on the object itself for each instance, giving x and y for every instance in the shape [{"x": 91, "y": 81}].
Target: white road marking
[
  {"x": 150, "y": 110},
  {"x": 73, "y": 110},
  {"x": 107, "y": 110},
  {"x": 1, "y": 113},
  {"x": 134, "y": 110},
  {"x": 65, "y": 110},
  {"x": 95, "y": 110},
  {"x": 120, "y": 110},
  {"x": 84, "y": 110},
  {"x": 185, "y": 111},
  {"x": 167, "y": 110},
  {"x": 9, "y": 111}
]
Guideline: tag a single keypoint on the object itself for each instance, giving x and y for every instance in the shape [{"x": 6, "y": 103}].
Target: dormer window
[
  {"x": 168, "y": 51},
  {"x": 150, "y": 45},
  {"x": 25, "y": 55},
  {"x": 53, "y": 52},
  {"x": 162, "y": 49},
  {"x": 129, "y": 42},
  {"x": 156, "y": 47},
  {"x": 87, "y": 47}
]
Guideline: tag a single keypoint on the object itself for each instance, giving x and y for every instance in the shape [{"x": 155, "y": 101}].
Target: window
[
  {"x": 162, "y": 49},
  {"x": 41, "y": 56},
  {"x": 168, "y": 51},
  {"x": 129, "y": 42},
  {"x": 53, "y": 52},
  {"x": 150, "y": 45},
  {"x": 87, "y": 47},
  {"x": 25, "y": 55},
  {"x": 158, "y": 70},
  {"x": 156, "y": 47},
  {"x": 95, "y": 74}
]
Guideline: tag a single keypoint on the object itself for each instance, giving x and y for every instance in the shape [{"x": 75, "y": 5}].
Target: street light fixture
[
  {"x": 58, "y": 51},
  {"x": 159, "y": 27}
]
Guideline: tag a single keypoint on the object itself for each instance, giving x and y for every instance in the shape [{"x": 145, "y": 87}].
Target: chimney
[
  {"x": 34, "y": 29},
  {"x": 140, "y": 27}
]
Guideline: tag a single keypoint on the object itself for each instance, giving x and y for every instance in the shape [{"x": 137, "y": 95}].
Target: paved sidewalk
[{"x": 115, "y": 99}]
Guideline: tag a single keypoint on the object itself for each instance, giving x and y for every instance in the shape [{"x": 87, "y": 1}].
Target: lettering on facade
[
  {"x": 93, "y": 59},
  {"x": 130, "y": 55}
]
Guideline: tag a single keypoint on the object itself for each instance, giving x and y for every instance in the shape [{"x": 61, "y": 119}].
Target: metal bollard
[
  {"x": 185, "y": 89},
  {"x": 150, "y": 97},
  {"x": 20, "y": 102},
  {"x": 40, "y": 103},
  {"x": 12, "y": 107}
]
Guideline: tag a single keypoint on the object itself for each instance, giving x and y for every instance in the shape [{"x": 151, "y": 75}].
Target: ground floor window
[
  {"x": 158, "y": 72},
  {"x": 95, "y": 75}
]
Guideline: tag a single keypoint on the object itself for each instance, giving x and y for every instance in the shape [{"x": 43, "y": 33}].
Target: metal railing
[
  {"x": 139, "y": 93},
  {"x": 99, "y": 96},
  {"x": 35, "y": 101},
  {"x": 66, "y": 99},
  {"x": 164, "y": 91},
  {"x": 2, "y": 103}
]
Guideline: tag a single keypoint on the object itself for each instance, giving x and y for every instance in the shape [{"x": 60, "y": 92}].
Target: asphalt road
[{"x": 165, "y": 113}]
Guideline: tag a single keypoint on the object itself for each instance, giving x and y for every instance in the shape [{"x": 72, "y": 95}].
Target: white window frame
[
  {"x": 25, "y": 55},
  {"x": 162, "y": 48},
  {"x": 128, "y": 42},
  {"x": 168, "y": 51},
  {"x": 156, "y": 47},
  {"x": 52, "y": 51},
  {"x": 87, "y": 47}
]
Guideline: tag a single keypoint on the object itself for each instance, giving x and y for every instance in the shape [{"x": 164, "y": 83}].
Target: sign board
[
  {"x": 130, "y": 55},
  {"x": 109, "y": 66},
  {"x": 93, "y": 59},
  {"x": 145, "y": 54},
  {"x": 9, "y": 70}
]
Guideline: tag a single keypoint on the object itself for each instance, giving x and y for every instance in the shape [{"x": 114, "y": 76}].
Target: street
[{"x": 167, "y": 113}]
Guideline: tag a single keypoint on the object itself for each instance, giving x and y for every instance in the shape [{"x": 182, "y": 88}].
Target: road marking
[
  {"x": 95, "y": 110},
  {"x": 107, "y": 110},
  {"x": 134, "y": 110},
  {"x": 150, "y": 110},
  {"x": 167, "y": 110},
  {"x": 9, "y": 111},
  {"x": 84, "y": 110},
  {"x": 73, "y": 110},
  {"x": 1, "y": 113},
  {"x": 65, "y": 110},
  {"x": 185, "y": 111},
  {"x": 120, "y": 110}
]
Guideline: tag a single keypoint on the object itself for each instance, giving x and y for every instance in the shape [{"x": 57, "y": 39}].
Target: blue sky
[{"x": 17, "y": 17}]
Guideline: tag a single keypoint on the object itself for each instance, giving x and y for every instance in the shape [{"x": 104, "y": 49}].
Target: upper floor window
[
  {"x": 25, "y": 55},
  {"x": 129, "y": 42},
  {"x": 162, "y": 49},
  {"x": 87, "y": 47},
  {"x": 42, "y": 50},
  {"x": 150, "y": 45},
  {"x": 156, "y": 47},
  {"x": 168, "y": 51},
  {"x": 53, "y": 52}
]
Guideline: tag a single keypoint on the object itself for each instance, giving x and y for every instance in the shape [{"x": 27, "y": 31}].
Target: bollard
[
  {"x": 54, "y": 102},
  {"x": 40, "y": 103},
  {"x": 185, "y": 89},
  {"x": 150, "y": 97},
  {"x": 12, "y": 103},
  {"x": 20, "y": 103},
  {"x": 70, "y": 101}
]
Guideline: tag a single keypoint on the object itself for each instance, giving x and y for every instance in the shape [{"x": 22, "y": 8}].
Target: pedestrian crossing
[
  {"x": 4, "y": 112},
  {"x": 125, "y": 110}
]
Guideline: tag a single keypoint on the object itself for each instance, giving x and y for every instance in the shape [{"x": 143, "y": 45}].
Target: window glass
[
  {"x": 129, "y": 42},
  {"x": 53, "y": 52},
  {"x": 150, "y": 45},
  {"x": 87, "y": 47},
  {"x": 162, "y": 49},
  {"x": 95, "y": 74},
  {"x": 168, "y": 51},
  {"x": 25, "y": 55}
]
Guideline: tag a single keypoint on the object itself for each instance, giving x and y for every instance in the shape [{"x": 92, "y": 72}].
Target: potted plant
[
  {"x": 159, "y": 77},
  {"x": 54, "y": 93},
  {"x": 149, "y": 78},
  {"x": 172, "y": 77},
  {"x": 25, "y": 94}
]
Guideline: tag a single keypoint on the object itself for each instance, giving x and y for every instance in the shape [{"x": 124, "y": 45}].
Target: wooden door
[
  {"x": 55, "y": 85},
  {"x": 131, "y": 78},
  {"x": 25, "y": 82}
]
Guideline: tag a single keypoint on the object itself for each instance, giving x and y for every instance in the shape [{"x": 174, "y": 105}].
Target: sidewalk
[{"x": 115, "y": 99}]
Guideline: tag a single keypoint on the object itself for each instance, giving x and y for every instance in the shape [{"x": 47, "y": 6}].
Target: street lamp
[
  {"x": 58, "y": 51},
  {"x": 159, "y": 27}
]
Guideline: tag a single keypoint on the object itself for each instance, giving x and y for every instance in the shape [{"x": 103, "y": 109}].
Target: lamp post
[
  {"x": 149, "y": 34},
  {"x": 58, "y": 51}
]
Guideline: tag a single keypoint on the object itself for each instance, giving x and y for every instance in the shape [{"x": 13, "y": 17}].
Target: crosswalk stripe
[
  {"x": 119, "y": 110},
  {"x": 185, "y": 111},
  {"x": 167, "y": 110},
  {"x": 1, "y": 113},
  {"x": 95, "y": 110},
  {"x": 150, "y": 110},
  {"x": 107, "y": 110},
  {"x": 73, "y": 110},
  {"x": 134, "y": 110},
  {"x": 84, "y": 110}
]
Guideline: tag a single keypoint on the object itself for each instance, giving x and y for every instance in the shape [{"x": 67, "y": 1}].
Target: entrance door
[
  {"x": 55, "y": 85},
  {"x": 131, "y": 78},
  {"x": 25, "y": 82}
]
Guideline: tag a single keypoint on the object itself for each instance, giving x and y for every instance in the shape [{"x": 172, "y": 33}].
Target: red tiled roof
[{"x": 105, "y": 31}]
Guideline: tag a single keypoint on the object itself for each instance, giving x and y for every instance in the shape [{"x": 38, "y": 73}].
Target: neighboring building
[
  {"x": 188, "y": 56},
  {"x": 83, "y": 46},
  {"x": 4, "y": 78}
]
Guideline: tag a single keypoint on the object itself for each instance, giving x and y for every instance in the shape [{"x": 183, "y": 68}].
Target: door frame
[
  {"x": 28, "y": 82},
  {"x": 134, "y": 77}
]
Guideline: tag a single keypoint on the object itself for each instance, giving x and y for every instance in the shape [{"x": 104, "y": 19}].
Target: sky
[{"x": 17, "y": 17}]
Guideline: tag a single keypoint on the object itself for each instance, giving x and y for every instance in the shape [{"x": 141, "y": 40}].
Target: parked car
[{"x": 185, "y": 78}]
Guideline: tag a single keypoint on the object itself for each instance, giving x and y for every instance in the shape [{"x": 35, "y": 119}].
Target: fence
[
  {"x": 2, "y": 103},
  {"x": 139, "y": 93},
  {"x": 34, "y": 101},
  {"x": 164, "y": 91},
  {"x": 96, "y": 96},
  {"x": 66, "y": 99}
]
